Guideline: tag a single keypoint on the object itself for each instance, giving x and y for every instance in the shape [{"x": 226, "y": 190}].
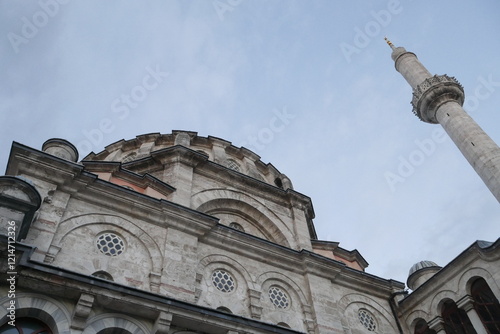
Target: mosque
[{"x": 178, "y": 233}]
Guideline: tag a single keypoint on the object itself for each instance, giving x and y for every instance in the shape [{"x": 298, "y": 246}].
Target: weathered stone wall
[{"x": 179, "y": 250}]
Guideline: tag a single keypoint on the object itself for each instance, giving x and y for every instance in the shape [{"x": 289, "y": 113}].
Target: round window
[
  {"x": 367, "y": 320},
  {"x": 110, "y": 244},
  {"x": 278, "y": 297},
  {"x": 223, "y": 281}
]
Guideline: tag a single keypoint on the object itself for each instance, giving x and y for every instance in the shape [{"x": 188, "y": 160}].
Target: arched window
[
  {"x": 486, "y": 305},
  {"x": 103, "y": 274},
  {"x": 26, "y": 326},
  {"x": 423, "y": 328},
  {"x": 283, "y": 324},
  {"x": 236, "y": 226},
  {"x": 114, "y": 330},
  {"x": 455, "y": 319},
  {"x": 224, "y": 309},
  {"x": 278, "y": 182}
]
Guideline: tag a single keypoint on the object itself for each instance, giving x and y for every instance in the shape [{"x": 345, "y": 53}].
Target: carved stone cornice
[{"x": 432, "y": 93}]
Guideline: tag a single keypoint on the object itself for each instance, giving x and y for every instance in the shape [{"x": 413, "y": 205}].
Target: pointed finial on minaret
[{"x": 389, "y": 43}]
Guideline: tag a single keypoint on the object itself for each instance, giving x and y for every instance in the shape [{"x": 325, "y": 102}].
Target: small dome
[
  {"x": 422, "y": 265},
  {"x": 420, "y": 272}
]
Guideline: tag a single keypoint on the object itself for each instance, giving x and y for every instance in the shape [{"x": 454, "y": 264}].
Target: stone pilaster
[
  {"x": 53, "y": 207},
  {"x": 255, "y": 304},
  {"x": 309, "y": 320},
  {"x": 154, "y": 282},
  {"x": 300, "y": 210}
]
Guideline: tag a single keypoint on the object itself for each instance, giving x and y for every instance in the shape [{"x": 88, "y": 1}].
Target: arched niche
[{"x": 256, "y": 214}]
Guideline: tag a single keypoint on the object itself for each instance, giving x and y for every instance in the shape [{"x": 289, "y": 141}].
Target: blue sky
[{"x": 233, "y": 68}]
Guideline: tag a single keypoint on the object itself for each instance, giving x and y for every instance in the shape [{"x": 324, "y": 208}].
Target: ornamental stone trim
[{"x": 432, "y": 93}]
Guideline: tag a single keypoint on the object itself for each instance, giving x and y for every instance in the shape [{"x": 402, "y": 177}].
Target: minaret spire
[
  {"x": 439, "y": 99},
  {"x": 389, "y": 43}
]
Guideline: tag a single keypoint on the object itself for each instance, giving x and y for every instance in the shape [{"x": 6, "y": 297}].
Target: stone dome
[
  {"x": 420, "y": 272},
  {"x": 421, "y": 265},
  {"x": 216, "y": 150}
]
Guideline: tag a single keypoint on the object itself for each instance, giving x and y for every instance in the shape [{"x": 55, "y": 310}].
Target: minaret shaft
[
  {"x": 439, "y": 99},
  {"x": 477, "y": 147},
  {"x": 410, "y": 67}
]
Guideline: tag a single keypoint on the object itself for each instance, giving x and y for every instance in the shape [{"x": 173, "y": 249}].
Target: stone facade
[{"x": 179, "y": 233}]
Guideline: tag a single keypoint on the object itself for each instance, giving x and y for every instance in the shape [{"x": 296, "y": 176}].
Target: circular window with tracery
[
  {"x": 278, "y": 297},
  {"x": 223, "y": 281},
  {"x": 367, "y": 320},
  {"x": 110, "y": 244}
]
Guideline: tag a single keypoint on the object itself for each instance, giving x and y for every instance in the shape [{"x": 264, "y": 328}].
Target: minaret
[{"x": 439, "y": 99}]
